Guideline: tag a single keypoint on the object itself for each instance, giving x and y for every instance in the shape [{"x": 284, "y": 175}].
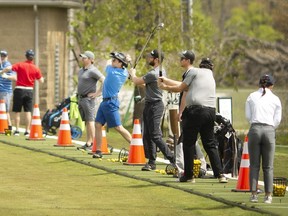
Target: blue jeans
[
  {"x": 200, "y": 119},
  {"x": 261, "y": 144}
]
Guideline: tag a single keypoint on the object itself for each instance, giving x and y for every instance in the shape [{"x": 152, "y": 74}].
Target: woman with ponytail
[{"x": 263, "y": 111}]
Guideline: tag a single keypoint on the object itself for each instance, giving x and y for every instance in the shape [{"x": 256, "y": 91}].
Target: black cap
[
  {"x": 29, "y": 53},
  {"x": 121, "y": 57},
  {"x": 266, "y": 81},
  {"x": 3, "y": 53},
  {"x": 155, "y": 54},
  {"x": 188, "y": 55},
  {"x": 206, "y": 63}
]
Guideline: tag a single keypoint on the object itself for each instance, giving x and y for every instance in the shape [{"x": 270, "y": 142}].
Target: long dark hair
[
  {"x": 265, "y": 82},
  {"x": 206, "y": 63}
]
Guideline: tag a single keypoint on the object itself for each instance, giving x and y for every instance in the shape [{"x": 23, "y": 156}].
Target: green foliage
[
  {"x": 109, "y": 25},
  {"x": 253, "y": 21}
]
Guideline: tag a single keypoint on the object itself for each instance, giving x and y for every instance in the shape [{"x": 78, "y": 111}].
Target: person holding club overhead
[{"x": 153, "y": 111}]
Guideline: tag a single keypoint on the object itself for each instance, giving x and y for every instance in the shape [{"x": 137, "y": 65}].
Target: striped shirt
[{"x": 6, "y": 84}]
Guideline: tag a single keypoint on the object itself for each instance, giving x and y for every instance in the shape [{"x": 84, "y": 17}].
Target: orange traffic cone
[
  {"x": 3, "y": 117},
  {"x": 243, "y": 184},
  {"x": 136, "y": 153},
  {"x": 104, "y": 146},
  {"x": 64, "y": 136},
  {"x": 36, "y": 127}
]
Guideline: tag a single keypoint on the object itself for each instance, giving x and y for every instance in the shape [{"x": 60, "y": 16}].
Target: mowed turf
[{"x": 35, "y": 183}]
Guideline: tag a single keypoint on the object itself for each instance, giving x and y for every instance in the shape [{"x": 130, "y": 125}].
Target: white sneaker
[
  {"x": 222, "y": 179},
  {"x": 254, "y": 198},
  {"x": 268, "y": 199}
]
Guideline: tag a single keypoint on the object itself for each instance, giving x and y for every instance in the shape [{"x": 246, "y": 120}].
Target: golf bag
[
  {"x": 230, "y": 146},
  {"x": 52, "y": 119}
]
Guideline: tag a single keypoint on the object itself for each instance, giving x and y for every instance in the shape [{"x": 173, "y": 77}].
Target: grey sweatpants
[{"x": 261, "y": 145}]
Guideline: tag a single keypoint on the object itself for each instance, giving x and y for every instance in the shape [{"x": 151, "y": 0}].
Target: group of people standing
[
  {"x": 197, "y": 109},
  {"x": 24, "y": 74},
  {"x": 198, "y": 115}
]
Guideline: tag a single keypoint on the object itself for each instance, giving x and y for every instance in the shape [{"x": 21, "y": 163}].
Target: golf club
[
  {"x": 158, "y": 27},
  {"x": 138, "y": 98}
]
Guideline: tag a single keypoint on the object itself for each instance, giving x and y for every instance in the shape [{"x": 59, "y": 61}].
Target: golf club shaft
[
  {"x": 146, "y": 43},
  {"x": 160, "y": 54}
]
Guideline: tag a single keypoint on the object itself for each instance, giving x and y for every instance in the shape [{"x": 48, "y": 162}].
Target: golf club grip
[{"x": 160, "y": 73}]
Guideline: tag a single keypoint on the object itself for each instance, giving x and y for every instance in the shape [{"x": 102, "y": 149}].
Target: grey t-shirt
[
  {"x": 202, "y": 87},
  {"x": 87, "y": 79},
  {"x": 153, "y": 92}
]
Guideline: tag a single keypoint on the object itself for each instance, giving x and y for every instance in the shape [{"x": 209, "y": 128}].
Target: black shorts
[{"x": 22, "y": 97}]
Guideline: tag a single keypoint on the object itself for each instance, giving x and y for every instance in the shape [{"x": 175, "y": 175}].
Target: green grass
[{"x": 36, "y": 183}]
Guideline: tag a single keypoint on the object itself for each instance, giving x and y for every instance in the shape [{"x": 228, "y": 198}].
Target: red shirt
[{"x": 27, "y": 73}]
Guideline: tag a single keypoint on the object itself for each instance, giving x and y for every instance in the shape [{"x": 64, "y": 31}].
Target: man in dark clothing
[
  {"x": 198, "y": 115},
  {"x": 152, "y": 112}
]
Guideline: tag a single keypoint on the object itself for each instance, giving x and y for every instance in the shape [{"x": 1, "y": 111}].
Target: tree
[
  {"x": 249, "y": 29},
  {"x": 123, "y": 25}
]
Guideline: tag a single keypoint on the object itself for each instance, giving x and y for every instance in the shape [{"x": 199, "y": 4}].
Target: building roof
[{"x": 50, "y": 3}]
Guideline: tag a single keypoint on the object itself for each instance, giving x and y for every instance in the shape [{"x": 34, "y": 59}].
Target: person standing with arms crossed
[
  {"x": 153, "y": 112},
  {"x": 87, "y": 80},
  {"x": 108, "y": 111},
  {"x": 27, "y": 73},
  {"x": 198, "y": 116},
  {"x": 6, "y": 79},
  {"x": 263, "y": 110}
]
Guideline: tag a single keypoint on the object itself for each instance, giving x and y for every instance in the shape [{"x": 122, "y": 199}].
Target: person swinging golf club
[
  {"x": 153, "y": 112},
  {"x": 108, "y": 111}
]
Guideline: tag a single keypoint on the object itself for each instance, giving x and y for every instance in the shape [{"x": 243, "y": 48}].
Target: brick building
[{"x": 41, "y": 25}]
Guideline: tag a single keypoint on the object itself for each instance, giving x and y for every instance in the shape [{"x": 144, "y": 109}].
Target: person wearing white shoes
[
  {"x": 198, "y": 116},
  {"x": 264, "y": 112}
]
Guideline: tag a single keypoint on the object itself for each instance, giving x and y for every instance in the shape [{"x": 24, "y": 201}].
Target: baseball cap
[
  {"x": 120, "y": 56},
  {"x": 88, "y": 54},
  {"x": 188, "y": 55},
  {"x": 266, "y": 80},
  {"x": 3, "y": 53},
  {"x": 30, "y": 53},
  {"x": 155, "y": 54}
]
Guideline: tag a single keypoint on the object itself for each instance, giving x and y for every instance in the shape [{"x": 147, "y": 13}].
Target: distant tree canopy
[
  {"x": 243, "y": 41},
  {"x": 254, "y": 22},
  {"x": 107, "y": 25},
  {"x": 251, "y": 41}
]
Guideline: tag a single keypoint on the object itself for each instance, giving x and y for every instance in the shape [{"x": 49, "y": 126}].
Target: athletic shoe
[
  {"x": 268, "y": 199},
  {"x": 254, "y": 198},
  {"x": 222, "y": 179},
  {"x": 149, "y": 167},
  {"x": 85, "y": 147},
  {"x": 98, "y": 154},
  {"x": 26, "y": 133},
  {"x": 16, "y": 133},
  {"x": 186, "y": 179}
]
